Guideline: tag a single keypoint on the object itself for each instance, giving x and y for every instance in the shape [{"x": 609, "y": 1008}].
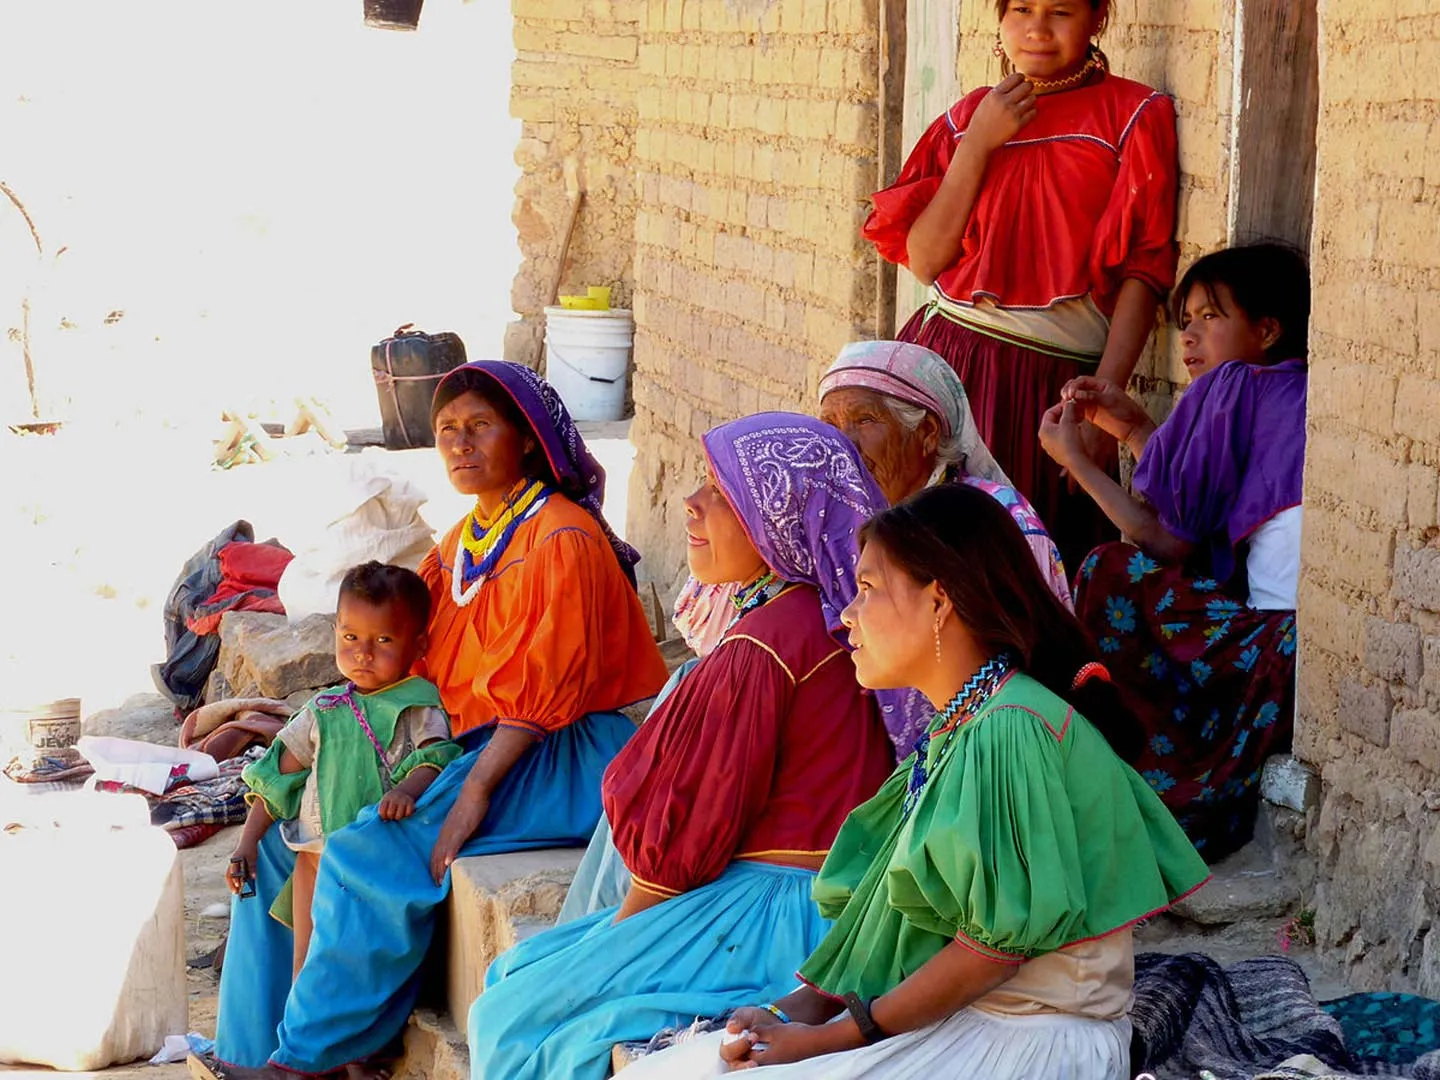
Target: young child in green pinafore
[{"x": 382, "y": 737}]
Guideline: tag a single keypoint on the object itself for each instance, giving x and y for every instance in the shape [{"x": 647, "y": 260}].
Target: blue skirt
[
  {"x": 554, "y": 1005},
  {"x": 374, "y": 906},
  {"x": 601, "y": 880}
]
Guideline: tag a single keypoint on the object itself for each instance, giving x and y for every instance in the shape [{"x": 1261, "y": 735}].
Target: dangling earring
[
  {"x": 938, "y": 658},
  {"x": 1097, "y": 54},
  {"x": 998, "y": 49}
]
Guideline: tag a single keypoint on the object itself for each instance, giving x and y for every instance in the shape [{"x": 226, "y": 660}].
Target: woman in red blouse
[
  {"x": 1041, "y": 213},
  {"x": 723, "y": 805}
]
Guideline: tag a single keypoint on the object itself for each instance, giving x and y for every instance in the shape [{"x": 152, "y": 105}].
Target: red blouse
[
  {"x": 762, "y": 750},
  {"x": 1081, "y": 199}
]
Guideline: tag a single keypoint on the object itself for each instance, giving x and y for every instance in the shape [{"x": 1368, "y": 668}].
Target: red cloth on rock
[
  {"x": 760, "y": 752},
  {"x": 251, "y": 574}
]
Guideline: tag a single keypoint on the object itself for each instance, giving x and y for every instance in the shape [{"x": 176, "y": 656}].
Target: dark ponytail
[{"x": 963, "y": 539}]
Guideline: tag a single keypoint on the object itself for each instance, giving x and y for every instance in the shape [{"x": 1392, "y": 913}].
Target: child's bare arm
[
  {"x": 243, "y": 858},
  {"x": 399, "y": 802},
  {"x": 289, "y": 763}
]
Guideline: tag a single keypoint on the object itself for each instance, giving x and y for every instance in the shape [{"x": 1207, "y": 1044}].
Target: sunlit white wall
[{"x": 264, "y": 189}]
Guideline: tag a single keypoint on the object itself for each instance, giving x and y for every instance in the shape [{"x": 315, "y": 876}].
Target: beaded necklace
[
  {"x": 758, "y": 593},
  {"x": 960, "y": 708},
  {"x": 1093, "y": 63},
  {"x": 483, "y": 542}
]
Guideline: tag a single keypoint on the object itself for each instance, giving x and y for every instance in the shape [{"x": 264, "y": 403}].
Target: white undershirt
[{"x": 1273, "y": 563}]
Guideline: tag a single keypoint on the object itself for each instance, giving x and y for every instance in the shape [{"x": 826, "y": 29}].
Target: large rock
[
  {"x": 496, "y": 901},
  {"x": 265, "y": 655},
  {"x": 92, "y": 929},
  {"x": 146, "y": 717}
]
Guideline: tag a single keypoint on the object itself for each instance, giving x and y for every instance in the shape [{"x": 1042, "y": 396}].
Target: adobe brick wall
[
  {"x": 573, "y": 88},
  {"x": 755, "y": 151},
  {"x": 755, "y": 156},
  {"x": 1369, "y": 711}
]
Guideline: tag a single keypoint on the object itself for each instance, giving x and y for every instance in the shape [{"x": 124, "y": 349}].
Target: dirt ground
[{"x": 207, "y": 904}]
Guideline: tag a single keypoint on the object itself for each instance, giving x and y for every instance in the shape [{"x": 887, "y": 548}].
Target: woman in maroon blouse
[{"x": 726, "y": 800}]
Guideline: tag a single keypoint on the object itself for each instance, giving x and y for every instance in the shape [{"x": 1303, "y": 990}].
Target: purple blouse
[{"x": 1229, "y": 458}]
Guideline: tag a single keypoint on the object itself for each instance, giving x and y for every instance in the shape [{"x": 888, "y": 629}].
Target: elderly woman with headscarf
[
  {"x": 906, "y": 411},
  {"x": 536, "y": 638},
  {"x": 725, "y": 802}
]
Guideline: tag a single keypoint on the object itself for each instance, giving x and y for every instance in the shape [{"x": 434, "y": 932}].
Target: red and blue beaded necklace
[{"x": 959, "y": 709}]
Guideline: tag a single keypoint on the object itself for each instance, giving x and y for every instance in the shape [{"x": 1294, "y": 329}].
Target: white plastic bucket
[{"x": 587, "y": 358}]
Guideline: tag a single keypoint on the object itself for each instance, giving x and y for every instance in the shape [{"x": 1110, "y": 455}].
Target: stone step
[
  {"x": 435, "y": 1049},
  {"x": 1263, "y": 880},
  {"x": 496, "y": 901}
]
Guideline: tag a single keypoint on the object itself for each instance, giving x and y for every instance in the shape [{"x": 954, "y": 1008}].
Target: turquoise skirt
[
  {"x": 555, "y": 1005},
  {"x": 375, "y": 905},
  {"x": 601, "y": 880}
]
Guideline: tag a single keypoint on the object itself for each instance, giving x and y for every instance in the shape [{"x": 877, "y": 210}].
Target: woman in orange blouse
[{"x": 536, "y": 637}]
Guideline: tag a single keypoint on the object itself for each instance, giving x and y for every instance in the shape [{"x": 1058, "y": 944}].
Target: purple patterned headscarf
[
  {"x": 579, "y": 475},
  {"x": 802, "y": 493}
]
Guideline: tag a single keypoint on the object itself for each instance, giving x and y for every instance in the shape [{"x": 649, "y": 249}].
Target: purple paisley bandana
[{"x": 802, "y": 493}]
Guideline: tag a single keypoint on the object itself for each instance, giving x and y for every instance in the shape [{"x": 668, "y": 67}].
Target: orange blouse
[{"x": 555, "y": 633}]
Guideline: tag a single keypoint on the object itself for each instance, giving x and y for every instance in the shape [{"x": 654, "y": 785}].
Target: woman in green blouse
[{"x": 983, "y": 899}]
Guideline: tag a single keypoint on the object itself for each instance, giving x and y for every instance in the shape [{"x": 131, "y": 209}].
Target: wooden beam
[
  {"x": 932, "y": 85},
  {"x": 1274, "y": 183},
  {"x": 892, "y": 142}
]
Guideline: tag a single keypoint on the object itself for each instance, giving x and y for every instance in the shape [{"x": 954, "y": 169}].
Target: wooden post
[
  {"x": 1273, "y": 183},
  {"x": 932, "y": 85},
  {"x": 893, "y": 46}
]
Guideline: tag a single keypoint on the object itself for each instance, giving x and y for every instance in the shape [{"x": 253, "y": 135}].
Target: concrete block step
[
  {"x": 496, "y": 901},
  {"x": 1251, "y": 884}
]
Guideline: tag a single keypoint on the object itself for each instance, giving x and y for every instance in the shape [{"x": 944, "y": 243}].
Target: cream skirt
[{"x": 971, "y": 1045}]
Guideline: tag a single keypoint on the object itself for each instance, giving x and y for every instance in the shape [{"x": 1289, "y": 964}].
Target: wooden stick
[
  {"x": 25, "y": 352},
  {"x": 34, "y": 233},
  {"x": 575, "y": 201},
  {"x": 891, "y": 148}
]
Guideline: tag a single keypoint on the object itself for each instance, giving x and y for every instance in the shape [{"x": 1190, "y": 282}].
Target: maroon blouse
[{"x": 759, "y": 753}]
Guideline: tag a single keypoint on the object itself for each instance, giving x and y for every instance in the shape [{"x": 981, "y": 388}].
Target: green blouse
[
  {"x": 1030, "y": 835},
  {"x": 348, "y": 766}
]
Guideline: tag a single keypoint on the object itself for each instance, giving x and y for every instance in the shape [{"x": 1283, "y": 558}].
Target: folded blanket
[
  {"x": 1256, "y": 1020},
  {"x": 207, "y": 719},
  {"x": 219, "y": 802}
]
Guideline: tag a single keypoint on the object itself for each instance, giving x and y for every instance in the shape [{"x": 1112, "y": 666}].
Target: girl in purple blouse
[{"x": 1196, "y": 614}]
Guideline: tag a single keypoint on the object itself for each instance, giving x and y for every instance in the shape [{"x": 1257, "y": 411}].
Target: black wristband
[{"x": 860, "y": 1013}]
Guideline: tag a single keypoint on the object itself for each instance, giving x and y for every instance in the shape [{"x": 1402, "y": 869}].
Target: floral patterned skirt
[{"x": 1211, "y": 680}]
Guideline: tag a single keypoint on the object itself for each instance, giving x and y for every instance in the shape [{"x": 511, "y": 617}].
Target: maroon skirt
[
  {"x": 1010, "y": 387},
  {"x": 1211, "y": 680}
]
